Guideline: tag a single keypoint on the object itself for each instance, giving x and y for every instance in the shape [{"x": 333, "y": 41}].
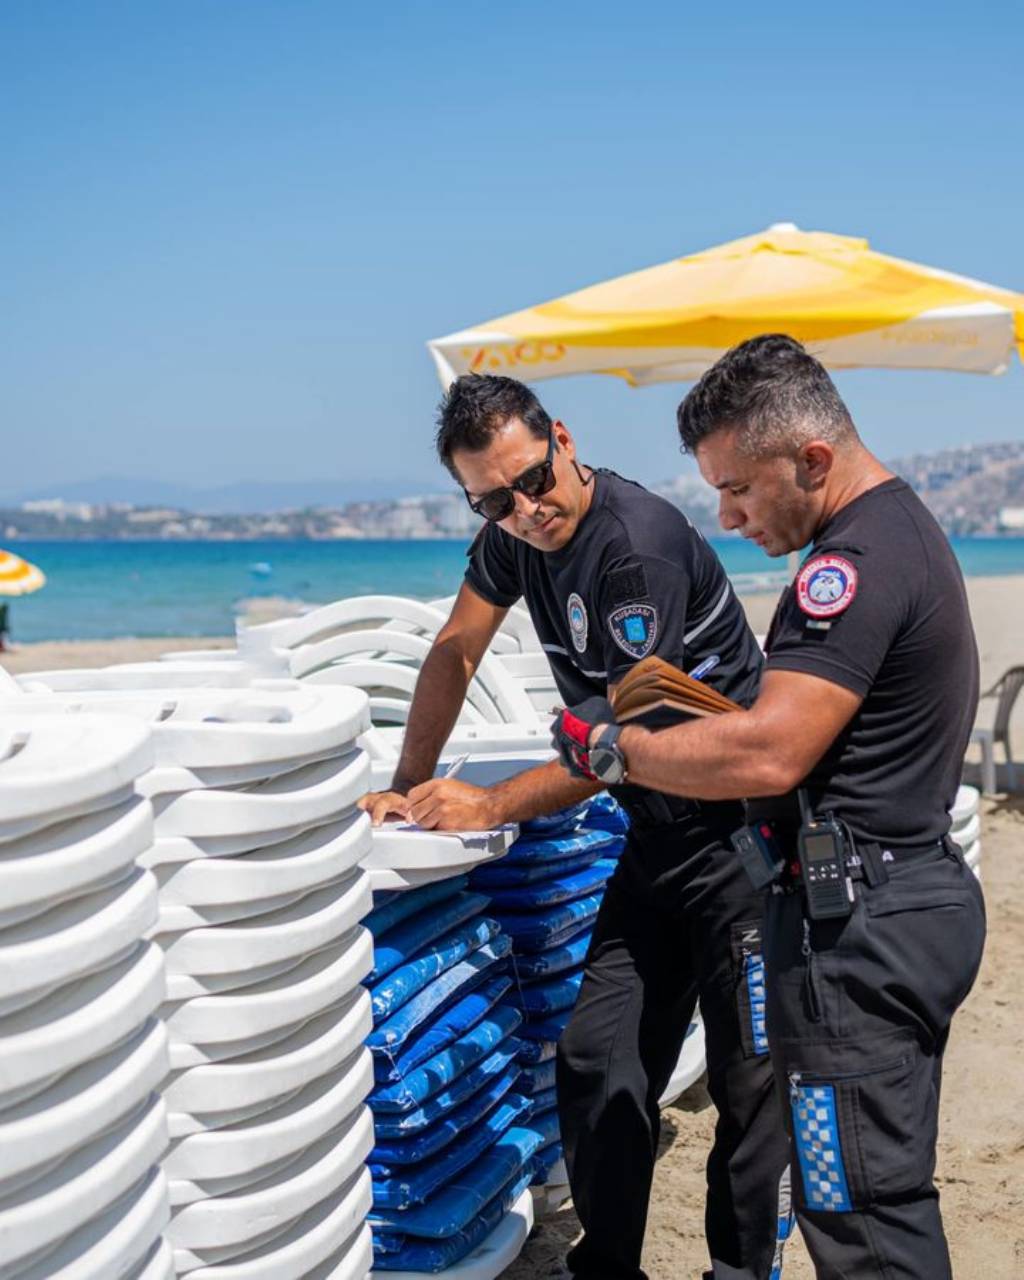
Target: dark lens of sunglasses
[
  {"x": 537, "y": 481},
  {"x": 496, "y": 505}
]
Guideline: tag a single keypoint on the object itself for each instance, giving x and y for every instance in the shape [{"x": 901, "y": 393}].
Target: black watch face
[{"x": 607, "y": 764}]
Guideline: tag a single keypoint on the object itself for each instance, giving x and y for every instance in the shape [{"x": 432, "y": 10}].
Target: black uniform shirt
[
  {"x": 897, "y": 631},
  {"x": 636, "y": 578}
]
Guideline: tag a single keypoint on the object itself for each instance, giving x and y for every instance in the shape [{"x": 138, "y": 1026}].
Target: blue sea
[{"x": 99, "y": 590}]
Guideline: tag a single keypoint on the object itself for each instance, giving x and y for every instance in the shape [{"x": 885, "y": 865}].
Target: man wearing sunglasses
[{"x": 611, "y": 573}]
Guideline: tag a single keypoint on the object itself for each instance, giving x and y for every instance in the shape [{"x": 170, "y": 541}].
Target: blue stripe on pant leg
[
  {"x": 816, "y": 1132},
  {"x": 786, "y": 1220},
  {"x": 753, "y": 965}
]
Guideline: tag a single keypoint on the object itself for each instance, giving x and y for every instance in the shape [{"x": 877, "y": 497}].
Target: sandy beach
[{"x": 981, "y": 1154}]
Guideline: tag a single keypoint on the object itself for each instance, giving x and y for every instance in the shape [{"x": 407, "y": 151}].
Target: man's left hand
[
  {"x": 573, "y": 731},
  {"x": 445, "y": 804}
]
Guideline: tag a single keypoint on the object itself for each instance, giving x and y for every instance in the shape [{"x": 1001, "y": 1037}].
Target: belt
[
  {"x": 653, "y": 808},
  {"x": 867, "y": 860}
]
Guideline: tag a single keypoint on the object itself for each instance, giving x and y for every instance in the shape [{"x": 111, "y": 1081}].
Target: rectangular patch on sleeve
[{"x": 627, "y": 584}]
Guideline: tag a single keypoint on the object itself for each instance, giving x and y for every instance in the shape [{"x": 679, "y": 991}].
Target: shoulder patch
[
  {"x": 826, "y": 586},
  {"x": 634, "y": 628},
  {"x": 579, "y": 623},
  {"x": 627, "y": 584}
]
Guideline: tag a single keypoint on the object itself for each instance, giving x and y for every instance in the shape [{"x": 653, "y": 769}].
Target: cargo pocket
[
  {"x": 748, "y": 977},
  {"x": 864, "y": 1130}
]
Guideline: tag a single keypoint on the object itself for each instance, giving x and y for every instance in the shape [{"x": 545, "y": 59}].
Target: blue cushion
[
  {"x": 401, "y": 984},
  {"x": 431, "y": 1256},
  {"x": 549, "y": 1028},
  {"x": 550, "y": 927},
  {"x": 545, "y": 1126},
  {"x": 404, "y": 940},
  {"x": 395, "y": 907},
  {"x": 562, "y": 820},
  {"x": 391, "y": 1152},
  {"x": 551, "y": 848},
  {"x": 495, "y": 875},
  {"x": 534, "y": 1051},
  {"x": 387, "y": 1124},
  {"x": 537, "y": 1079},
  {"x": 538, "y": 965},
  {"x": 553, "y": 889},
  {"x": 607, "y": 814},
  {"x": 550, "y": 996},
  {"x": 455, "y": 1205},
  {"x": 544, "y": 1161},
  {"x": 400, "y": 1186},
  {"x": 390, "y": 1037},
  {"x": 543, "y": 1100},
  {"x": 439, "y": 1071},
  {"x": 442, "y": 1030}
]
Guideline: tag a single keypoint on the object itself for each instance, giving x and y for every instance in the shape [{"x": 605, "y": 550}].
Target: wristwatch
[{"x": 607, "y": 763}]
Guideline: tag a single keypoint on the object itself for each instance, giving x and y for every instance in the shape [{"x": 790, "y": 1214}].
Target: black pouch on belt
[{"x": 759, "y": 853}]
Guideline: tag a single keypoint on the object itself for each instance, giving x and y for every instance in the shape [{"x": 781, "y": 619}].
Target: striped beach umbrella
[
  {"x": 17, "y": 576},
  {"x": 850, "y": 305}
]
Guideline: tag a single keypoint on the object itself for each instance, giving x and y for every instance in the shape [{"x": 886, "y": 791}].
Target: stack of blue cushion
[
  {"x": 453, "y": 1151},
  {"x": 545, "y": 894}
]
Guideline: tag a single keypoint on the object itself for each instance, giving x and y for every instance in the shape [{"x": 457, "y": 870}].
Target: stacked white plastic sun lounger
[
  {"x": 966, "y": 825},
  {"x": 82, "y": 1130},
  {"x": 256, "y": 850}
]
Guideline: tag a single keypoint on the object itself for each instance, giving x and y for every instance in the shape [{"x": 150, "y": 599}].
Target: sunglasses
[{"x": 535, "y": 481}]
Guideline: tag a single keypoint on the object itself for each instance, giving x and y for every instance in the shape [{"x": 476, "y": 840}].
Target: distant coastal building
[{"x": 1011, "y": 519}]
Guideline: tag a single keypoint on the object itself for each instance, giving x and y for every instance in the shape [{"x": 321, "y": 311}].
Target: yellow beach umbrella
[
  {"x": 17, "y": 576},
  {"x": 851, "y": 306}
]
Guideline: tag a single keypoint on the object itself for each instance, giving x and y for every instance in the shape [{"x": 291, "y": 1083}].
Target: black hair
[
  {"x": 477, "y": 406},
  {"x": 773, "y": 392}
]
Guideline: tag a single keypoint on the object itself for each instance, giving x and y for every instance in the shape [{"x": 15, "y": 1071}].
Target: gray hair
[{"x": 773, "y": 393}]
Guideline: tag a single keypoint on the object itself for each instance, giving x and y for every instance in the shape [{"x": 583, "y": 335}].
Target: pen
[
  {"x": 455, "y": 766},
  {"x": 705, "y": 668}
]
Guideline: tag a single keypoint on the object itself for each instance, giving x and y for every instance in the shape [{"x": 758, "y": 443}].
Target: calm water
[{"x": 101, "y": 589}]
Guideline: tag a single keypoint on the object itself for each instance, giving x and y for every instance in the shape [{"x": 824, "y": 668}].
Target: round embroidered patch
[
  {"x": 579, "y": 624},
  {"x": 826, "y": 586}
]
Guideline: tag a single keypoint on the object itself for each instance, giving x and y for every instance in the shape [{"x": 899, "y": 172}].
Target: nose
[
  {"x": 729, "y": 514},
  {"x": 527, "y": 507}
]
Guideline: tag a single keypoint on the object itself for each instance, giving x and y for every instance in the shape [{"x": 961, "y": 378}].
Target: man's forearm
[
  {"x": 538, "y": 791},
  {"x": 440, "y": 692},
  {"x": 718, "y": 758}
]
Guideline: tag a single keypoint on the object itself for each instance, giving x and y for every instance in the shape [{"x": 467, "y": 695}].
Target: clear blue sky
[{"x": 228, "y": 228}]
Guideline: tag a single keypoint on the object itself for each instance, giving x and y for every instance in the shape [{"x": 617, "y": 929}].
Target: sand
[{"x": 981, "y": 1149}]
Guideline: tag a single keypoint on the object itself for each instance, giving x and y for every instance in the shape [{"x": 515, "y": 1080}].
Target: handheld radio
[{"x": 821, "y": 849}]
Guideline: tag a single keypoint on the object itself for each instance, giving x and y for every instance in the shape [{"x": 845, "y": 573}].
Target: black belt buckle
[{"x": 759, "y": 853}]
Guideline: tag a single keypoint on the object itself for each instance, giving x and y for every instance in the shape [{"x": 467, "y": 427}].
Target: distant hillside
[
  {"x": 972, "y": 490},
  {"x": 976, "y": 489}
]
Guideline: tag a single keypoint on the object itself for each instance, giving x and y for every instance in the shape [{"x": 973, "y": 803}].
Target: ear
[
  {"x": 816, "y": 459},
  {"x": 563, "y": 438}
]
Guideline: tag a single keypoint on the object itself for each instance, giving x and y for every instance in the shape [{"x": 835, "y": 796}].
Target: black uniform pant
[
  {"x": 859, "y": 1012},
  {"x": 679, "y": 920}
]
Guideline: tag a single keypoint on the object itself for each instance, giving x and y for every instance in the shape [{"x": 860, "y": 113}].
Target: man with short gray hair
[{"x": 849, "y": 759}]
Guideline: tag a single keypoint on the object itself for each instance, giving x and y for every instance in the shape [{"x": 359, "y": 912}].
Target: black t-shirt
[
  {"x": 636, "y": 578},
  {"x": 879, "y": 607}
]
